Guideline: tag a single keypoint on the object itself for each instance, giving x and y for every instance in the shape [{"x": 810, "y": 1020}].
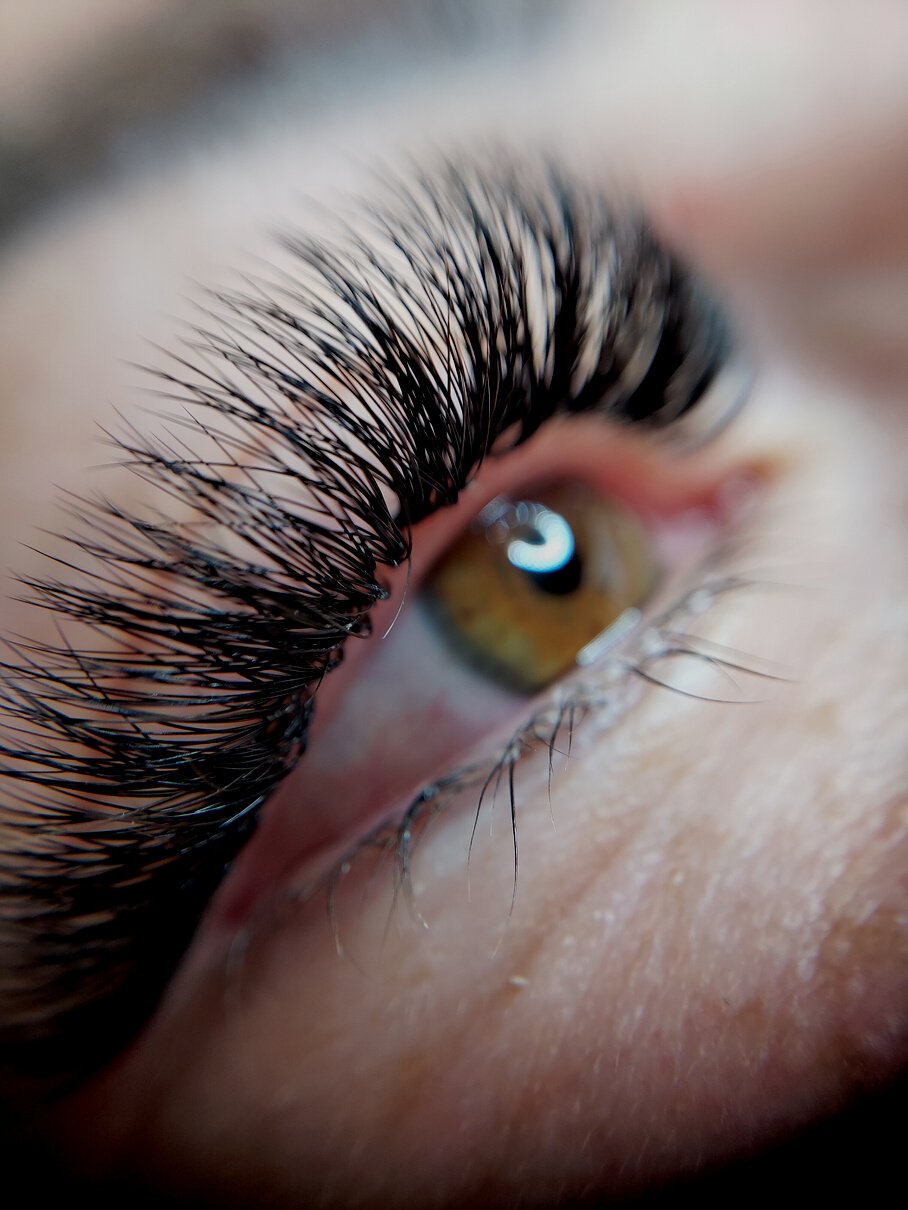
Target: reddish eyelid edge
[{"x": 645, "y": 476}]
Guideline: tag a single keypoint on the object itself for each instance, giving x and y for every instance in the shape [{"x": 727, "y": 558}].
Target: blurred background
[{"x": 102, "y": 86}]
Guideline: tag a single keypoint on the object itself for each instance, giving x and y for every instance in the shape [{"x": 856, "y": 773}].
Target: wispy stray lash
[{"x": 321, "y": 415}]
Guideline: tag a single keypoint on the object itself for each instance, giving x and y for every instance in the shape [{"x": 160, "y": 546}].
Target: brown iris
[{"x": 533, "y": 582}]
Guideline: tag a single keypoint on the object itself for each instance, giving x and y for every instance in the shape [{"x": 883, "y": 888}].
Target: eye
[
  {"x": 527, "y": 584},
  {"x": 527, "y": 589},
  {"x": 315, "y": 430}
]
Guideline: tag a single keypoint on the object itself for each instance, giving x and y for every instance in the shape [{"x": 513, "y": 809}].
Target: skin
[{"x": 708, "y": 949}]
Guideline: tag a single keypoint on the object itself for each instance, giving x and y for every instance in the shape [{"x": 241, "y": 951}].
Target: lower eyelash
[
  {"x": 136, "y": 759},
  {"x": 605, "y": 694}
]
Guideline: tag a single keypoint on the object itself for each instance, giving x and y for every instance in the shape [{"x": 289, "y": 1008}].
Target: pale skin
[{"x": 709, "y": 946}]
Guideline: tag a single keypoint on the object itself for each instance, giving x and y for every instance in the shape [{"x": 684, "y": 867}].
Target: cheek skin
[{"x": 706, "y": 949}]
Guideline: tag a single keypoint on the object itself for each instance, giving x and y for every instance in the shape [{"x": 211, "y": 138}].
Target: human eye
[
  {"x": 316, "y": 421},
  {"x": 497, "y": 1021}
]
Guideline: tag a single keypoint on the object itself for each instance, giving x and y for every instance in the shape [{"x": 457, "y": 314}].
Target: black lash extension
[{"x": 316, "y": 418}]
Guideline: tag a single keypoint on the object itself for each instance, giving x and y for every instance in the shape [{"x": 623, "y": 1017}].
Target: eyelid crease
[{"x": 180, "y": 693}]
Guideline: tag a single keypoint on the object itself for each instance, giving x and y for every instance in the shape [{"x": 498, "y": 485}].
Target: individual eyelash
[{"x": 321, "y": 414}]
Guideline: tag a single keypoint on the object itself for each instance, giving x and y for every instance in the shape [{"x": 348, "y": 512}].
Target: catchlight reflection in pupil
[
  {"x": 534, "y": 581},
  {"x": 541, "y": 543}
]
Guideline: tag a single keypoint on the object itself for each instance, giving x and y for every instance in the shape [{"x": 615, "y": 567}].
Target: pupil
[
  {"x": 562, "y": 580},
  {"x": 542, "y": 546}
]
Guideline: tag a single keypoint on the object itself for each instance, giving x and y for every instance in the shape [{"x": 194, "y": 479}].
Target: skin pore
[{"x": 707, "y": 947}]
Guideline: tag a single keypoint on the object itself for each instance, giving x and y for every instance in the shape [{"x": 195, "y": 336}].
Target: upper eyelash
[{"x": 468, "y": 311}]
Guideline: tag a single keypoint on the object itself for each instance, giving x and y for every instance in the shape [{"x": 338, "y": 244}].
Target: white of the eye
[{"x": 546, "y": 544}]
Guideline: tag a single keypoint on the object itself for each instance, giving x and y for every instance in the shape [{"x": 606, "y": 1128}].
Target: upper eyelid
[{"x": 105, "y": 716}]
